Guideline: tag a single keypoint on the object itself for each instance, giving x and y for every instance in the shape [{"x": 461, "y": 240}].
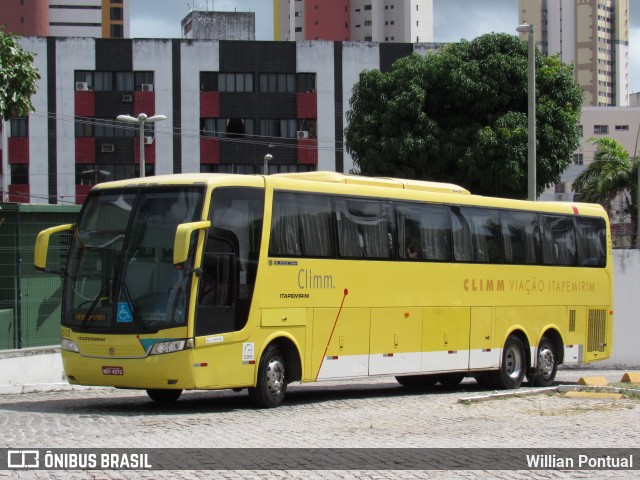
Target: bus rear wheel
[
  {"x": 513, "y": 366},
  {"x": 417, "y": 381},
  {"x": 271, "y": 386},
  {"x": 544, "y": 373},
  {"x": 164, "y": 396}
]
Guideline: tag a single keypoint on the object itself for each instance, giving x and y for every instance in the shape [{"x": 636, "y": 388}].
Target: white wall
[
  {"x": 194, "y": 57},
  {"x": 626, "y": 305}
]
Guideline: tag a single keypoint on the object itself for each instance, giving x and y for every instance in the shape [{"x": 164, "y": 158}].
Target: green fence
[{"x": 30, "y": 300}]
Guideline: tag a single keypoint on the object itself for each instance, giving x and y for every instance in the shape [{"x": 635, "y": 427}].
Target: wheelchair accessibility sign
[{"x": 124, "y": 313}]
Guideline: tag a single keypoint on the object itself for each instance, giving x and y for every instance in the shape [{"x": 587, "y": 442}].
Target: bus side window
[
  {"x": 558, "y": 241},
  {"x": 520, "y": 236},
  {"x": 592, "y": 242},
  {"x": 364, "y": 229},
  {"x": 425, "y": 231}
]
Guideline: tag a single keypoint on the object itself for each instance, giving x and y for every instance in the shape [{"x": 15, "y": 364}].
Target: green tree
[
  {"x": 461, "y": 116},
  {"x": 612, "y": 174},
  {"x": 18, "y": 77}
]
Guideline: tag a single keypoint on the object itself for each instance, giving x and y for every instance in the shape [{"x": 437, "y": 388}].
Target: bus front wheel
[
  {"x": 513, "y": 366},
  {"x": 271, "y": 386},
  {"x": 544, "y": 374},
  {"x": 164, "y": 396}
]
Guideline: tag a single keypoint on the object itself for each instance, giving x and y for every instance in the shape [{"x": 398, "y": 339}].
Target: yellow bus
[{"x": 213, "y": 281}]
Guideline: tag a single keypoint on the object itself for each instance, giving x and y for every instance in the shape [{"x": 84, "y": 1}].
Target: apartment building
[
  {"x": 592, "y": 34},
  {"x": 395, "y": 21},
  {"x": 227, "y": 103},
  {"x": 67, "y": 18}
]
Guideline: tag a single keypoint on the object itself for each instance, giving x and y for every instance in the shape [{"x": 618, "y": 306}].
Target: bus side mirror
[
  {"x": 42, "y": 245},
  {"x": 183, "y": 239}
]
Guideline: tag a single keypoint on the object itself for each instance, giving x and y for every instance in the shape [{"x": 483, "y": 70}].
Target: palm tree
[{"x": 611, "y": 175}]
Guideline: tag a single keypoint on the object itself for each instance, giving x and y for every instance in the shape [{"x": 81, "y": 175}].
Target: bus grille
[
  {"x": 572, "y": 320},
  {"x": 596, "y": 341}
]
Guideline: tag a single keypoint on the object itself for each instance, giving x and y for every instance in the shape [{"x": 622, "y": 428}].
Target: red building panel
[
  {"x": 85, "y": 104},
  {"x": 327, "y": 20},
  {"x": 19, "y": 194},
  {"x": 307, "y": 151},
  {"x": 19, "y": 150},
  {"x": 145, "y": 102},
  {"x": 209, "y": 104},
  {"x": 149, "y": 152},
  {"x": 81, "y": 193},
  {"x": 209, "y": 150},
  {"x": 26, "y": 18},
  {"x": 307, "y": 105},
  {"x": 85, "y": 150}
]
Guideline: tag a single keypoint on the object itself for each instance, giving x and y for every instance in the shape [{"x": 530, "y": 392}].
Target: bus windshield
[{"x": 120, "y": 275}]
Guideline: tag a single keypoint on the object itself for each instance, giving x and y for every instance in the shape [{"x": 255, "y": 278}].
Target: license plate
[{"x": 112, "y": 371}]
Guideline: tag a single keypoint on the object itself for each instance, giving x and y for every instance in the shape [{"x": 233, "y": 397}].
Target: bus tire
[
  {"x": 164, "y": 395},
  {"x": 544, "y": 373},
  {"x": 513, "y": 366},
  {"x": 271, "y": 385},
  {"x": 450, "y": 379},
  {"x": 417, "y": 381}
]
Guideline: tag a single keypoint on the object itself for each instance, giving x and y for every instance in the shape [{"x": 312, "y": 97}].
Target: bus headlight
[
  {"x": 69, "y": 345},
  {"x": 171, "y": 346}
]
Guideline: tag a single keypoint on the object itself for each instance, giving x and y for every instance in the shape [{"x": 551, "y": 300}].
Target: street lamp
[
  {"x": 531, "y": 157},
  {"x": 265, "y": 167},
  {"x": 141, "y": 120}
]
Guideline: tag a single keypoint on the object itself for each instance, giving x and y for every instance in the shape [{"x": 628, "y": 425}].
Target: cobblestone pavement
[{"x": 370, "y": 413}]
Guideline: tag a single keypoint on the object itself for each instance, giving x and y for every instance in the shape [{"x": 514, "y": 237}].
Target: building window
[
  {"x": 622, "y": 128},
  {"x": 226, "y": 127},
  {"x": 580, "y": 127},
  {"x": 19, "y": 127},
  {"x": 601, "y": 129},
  {"x": 235, "y": 82},
  {"x": 560, "y": 188},
  {"x": 208, "y": 82},
  {"x": 298, "y": 29},
  {"x": 306, "y": 82},
  {"x": 20, "y": 174},
  {"x": 277, "y": 83},
  {"x": 578, "y": 159},
  {"x": 116, "y": 14},
  {"x": 368, "y": 38},
  {"x": 143, "y": 81},
  {"x": 367, "y": 7},
  {"x": 367, "y": 23},
  {"x": 283, "y": 128},
  {"x": 117, "y": 31},
  {"x": 84, "y": 127}
]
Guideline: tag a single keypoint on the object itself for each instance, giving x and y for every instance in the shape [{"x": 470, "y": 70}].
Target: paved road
[{"x": 366, "y": 413}]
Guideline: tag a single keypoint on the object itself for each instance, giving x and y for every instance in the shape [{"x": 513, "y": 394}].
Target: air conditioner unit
[
  {"x": 82, "y": 86},
  {"x": 107, "y": 148},
  {"x": 302, "y": 134},
  {"x": 148, "y": 140},
  {"x": 560, "y": 197},
  {"x": 147, "y": 87},
  {"x": 127, "y": 99}
]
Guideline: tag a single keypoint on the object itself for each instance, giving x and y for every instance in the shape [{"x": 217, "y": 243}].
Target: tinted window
[
  {"x": 521, "y": 237},
  {"x": 423, "y": 232},
  {"x": 363, "y": 229},
  {"x": 301, "y": 226},
  {"x": 592, "y": 242},
  {"x": 476, "y": 235},
  {"x": 559, "y": 240}
]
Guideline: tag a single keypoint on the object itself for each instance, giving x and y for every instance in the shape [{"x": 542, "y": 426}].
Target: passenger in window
[
  {"x": 208, "y": 290},
  {"x": 411, "y": 252}
]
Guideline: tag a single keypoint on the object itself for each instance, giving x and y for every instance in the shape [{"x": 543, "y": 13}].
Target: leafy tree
[
  {"x": 612, "y": 174},
  {"x": 18, "y": 77},
  {"x": 461, "y": 116}
]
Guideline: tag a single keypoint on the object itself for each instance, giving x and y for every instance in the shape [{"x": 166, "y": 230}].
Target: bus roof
[
  {"x": 440, "y": 191},
  {"x": 334, "y": 177}
]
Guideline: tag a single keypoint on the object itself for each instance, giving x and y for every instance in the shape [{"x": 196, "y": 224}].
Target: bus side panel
[
  {"x": 573, "y": 331},
  {"x": 347, "y": 354},
  {"x": 223, "y": 365},
  {"x": 395, "y": 341},
  {"x": 481, "y": 354},
  {"x": 445, "y": 340}
]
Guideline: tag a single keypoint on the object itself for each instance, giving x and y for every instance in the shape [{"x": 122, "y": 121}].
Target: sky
[{"x": 453, "y": 20}]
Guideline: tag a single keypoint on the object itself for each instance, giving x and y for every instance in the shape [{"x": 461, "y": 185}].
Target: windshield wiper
[{"x": 87, "y": 315}]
